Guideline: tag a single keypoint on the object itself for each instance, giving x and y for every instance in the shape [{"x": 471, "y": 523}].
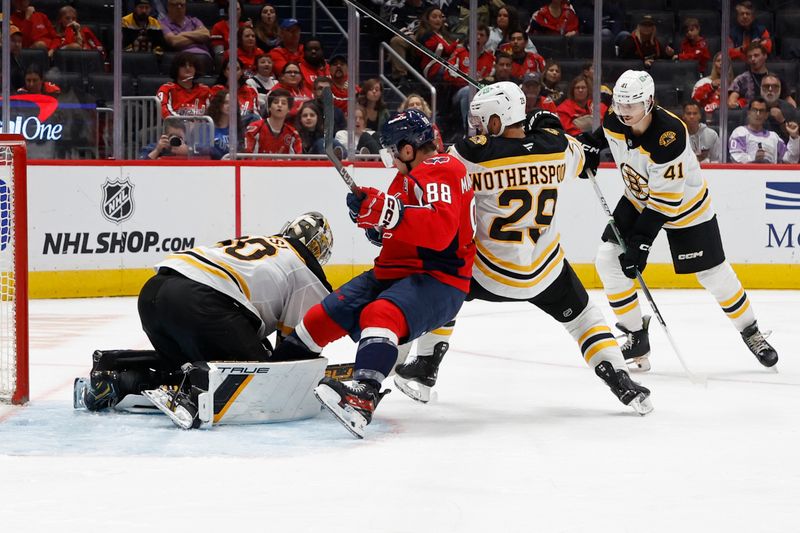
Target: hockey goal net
[{"x": 13, "y": 271}]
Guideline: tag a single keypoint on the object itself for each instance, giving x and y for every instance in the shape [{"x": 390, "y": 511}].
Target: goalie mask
[
  {"x": 634, "y": 96},
  {"x": 313, "y": 230},
  {"x": 408, "y": 127},
  {"x": 504, "y": 99}
]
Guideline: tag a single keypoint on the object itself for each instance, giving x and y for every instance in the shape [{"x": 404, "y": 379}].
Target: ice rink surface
[{"x": 523, "y": 437}]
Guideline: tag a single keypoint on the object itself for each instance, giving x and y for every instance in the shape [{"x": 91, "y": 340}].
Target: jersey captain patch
[
  {"x": 635, "y": 182},
  {"x": 667, "y": 138}
]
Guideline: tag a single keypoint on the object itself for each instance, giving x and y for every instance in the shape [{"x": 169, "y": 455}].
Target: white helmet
[
  {"x": 313, "y": 230},
  {"x": 504, "y": 99},
  {"x": 633, "y": 87}
]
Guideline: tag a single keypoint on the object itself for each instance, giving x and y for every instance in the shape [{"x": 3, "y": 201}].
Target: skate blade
[
  {"x": 415, "y": 390},
  {"x": 638, "y": 364},
  {"x": 351, "y": 419},
  {"x": 161, "y": 398},
  {"x": 78, "y": 389},
  {"x": 641, "y": 404}
]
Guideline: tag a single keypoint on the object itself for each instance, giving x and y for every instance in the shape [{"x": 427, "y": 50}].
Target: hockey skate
[
  {"x": 636, "y": 348},
  {"x": 352, "y": 405},
  {"x": 99, "y": 391},
  {"x": 757, "y": 342},
  {"x": 416, "y": 378},
  {"x": 181, "y": 407},
  {"x": 624, "y": 388}
]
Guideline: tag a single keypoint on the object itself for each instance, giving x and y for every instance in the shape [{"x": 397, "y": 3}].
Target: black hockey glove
[
  {"x": 637, "y": 248},
  {"x": 591, "y": 155},
  {"x": 375, "y": 236},
  {"x": 541, "y": 118}
]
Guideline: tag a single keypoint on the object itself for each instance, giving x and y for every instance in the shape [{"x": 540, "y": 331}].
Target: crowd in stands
[{"x": 545, "y": 46}]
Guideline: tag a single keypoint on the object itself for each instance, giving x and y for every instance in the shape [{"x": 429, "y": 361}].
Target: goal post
[{"x": 14, "y": 386}]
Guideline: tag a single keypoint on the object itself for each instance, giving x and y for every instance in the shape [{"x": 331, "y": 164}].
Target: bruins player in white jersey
[
  {"x": 663, "y": 188},
  {"x": 515, "y": 176},
  {"x": 217, "y": 303}
]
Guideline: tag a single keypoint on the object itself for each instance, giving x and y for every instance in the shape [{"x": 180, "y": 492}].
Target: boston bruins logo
[{"x": 635, "y": 182}]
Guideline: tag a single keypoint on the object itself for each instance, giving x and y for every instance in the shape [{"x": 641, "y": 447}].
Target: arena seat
[
  {"x": 101, "y": 85},
  {"x": 140, "y": 63}
]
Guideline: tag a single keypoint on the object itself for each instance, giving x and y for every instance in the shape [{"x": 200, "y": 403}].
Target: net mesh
[{"x": 8, "y": 333}]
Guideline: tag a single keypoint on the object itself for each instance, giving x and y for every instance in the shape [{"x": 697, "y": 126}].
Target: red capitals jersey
[
  {"x": 247, "y": 96},
  {"x": 440, "y": 47},
  {"x": 460, "y": 60},
  {"x": 280, "y": 56},
  {"x": 435, "y": 234},
  {"x": 340, "y": 96},
  {"x": 527, "y": 64},
  {"x": 311, "y": 73},
  {"x": 260, "y": 139},
  {"x": 175, "y": 100}
]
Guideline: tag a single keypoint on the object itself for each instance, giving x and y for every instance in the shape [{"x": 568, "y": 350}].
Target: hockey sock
[
  {"x": 382, "y": 325},
  {"x": 428, "y": 342},
  {"x": 722, "y": 282},
  {"x": 620, "y": 291},
  {"x": 594, "y": 338},
  {"x": 317, "y": 329}
]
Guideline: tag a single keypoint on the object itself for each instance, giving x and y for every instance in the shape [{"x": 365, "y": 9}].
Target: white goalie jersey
[
  {"x": 275, "y": 280},
  {"x": 516, "y": 181},
  {"x": 659, "y": 169}
]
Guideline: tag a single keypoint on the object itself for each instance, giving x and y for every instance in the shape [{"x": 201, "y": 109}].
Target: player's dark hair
[
  {"x": 183, "y": 59},
  {"x": 280, "y": 93}
]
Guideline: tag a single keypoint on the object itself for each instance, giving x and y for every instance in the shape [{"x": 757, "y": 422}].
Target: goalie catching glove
[{"x": 374, "y": 209}]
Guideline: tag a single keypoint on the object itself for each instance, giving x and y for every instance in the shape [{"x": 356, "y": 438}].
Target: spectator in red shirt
[
  {"x": 183, "y": 96},
  {"x": 274, "y": 134},
  {"x": 576, "y": 111},
  {"x": 221, "y": 30},
  {"x": 35, "y": 84},
  {"x": 555, "y": 18},
  {"x": 745, "y": 31},
  {"x": 693, "y": 46},
  {"x": 532, "y": 87},
  {"x": 73, "y": 35},
  {"x": 524, "y": 62},
  {"x": 37, "y": 31},
  {"x": 246, "y": 95},
  {"x": 338, "y": 64},
  {"x": 292, "y": 81},
  {"x": 247, "y": 52},
  {"x": 460, "y": 59},
  {"x": 433, "y": 35},
  {"x": 290, "y": 48},
  {"x": 267, "y": 30},
  {"x": 313, "y": 64},
  {"x": 706, "y": 90}
]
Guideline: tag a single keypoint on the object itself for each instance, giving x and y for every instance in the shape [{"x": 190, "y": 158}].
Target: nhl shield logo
[{"x": 117, "y": 200}]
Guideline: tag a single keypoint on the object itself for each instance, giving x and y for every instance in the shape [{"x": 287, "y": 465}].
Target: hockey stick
[
  {"x": 416, "y": 46},
  {"x": 327, "y": 104},
  {"x": 617, "y": 235}
]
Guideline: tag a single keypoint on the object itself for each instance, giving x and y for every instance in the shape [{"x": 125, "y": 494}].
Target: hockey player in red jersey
[{"x": 420, "y": 278}]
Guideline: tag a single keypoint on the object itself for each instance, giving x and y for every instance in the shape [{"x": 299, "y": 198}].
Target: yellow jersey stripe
[
  {"x": 521, "y": 284},
  {"x": 522, "y": 269},
  {"x": 523, "y": 159}
]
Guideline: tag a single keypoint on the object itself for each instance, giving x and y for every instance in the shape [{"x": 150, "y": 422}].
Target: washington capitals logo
[{"x": 117, "y": 200}]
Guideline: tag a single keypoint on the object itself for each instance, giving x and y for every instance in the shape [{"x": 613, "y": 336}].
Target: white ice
[{"x": 523, "y": 438}]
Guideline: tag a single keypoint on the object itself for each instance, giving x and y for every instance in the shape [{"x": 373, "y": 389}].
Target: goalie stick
[
  {"x": 617, "y": 235},
  {"x": 327, "y": 104}
]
